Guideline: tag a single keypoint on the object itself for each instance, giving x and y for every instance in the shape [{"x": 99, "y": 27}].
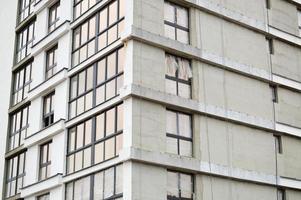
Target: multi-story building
[{"x": 150, "y": 100}]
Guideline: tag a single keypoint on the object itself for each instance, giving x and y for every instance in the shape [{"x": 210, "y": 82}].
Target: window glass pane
[
  {"x": 100, "y": 95},
  {"x": 184, "y": 125},
  {"x": 119, "y": 143},
  {"x": 113, "y": 13},
  {"x": 80, "y": 136},
  {"x": 184, "y": 90},
  {"x": 103, "y": 20},
  {"x": 182, "y": 36},
  {"x": 102, "y": 41},
  {"x": 73, "y": 87},
  {"x": 110, "y": 122},
  {"x": 84, "y": 33},
  {"x": 182, "y": 16},
  {"x": 185, "y": 148},
  {"x": 99, "y": 153},
  {"x": 169, "y": 12},
  {"x": 172, "y": 184},
  {"x": 78, "y": 161},
  {"x": 89, "y": 78},
  {"x": 92, "y": 27},
  {"x": 120, "y": 118},
  {"x": 109, "y": 148},
  {"x": 88, "y": 132},
  {"x": 111, "y": 65},
  {"x": 170, "y": 32},
  {"x": 70, "y": 162},
  {"x": 171, "y": 65},
  {"x": 81, "y": 84},
  {"x": 171, "y": 122},
  {"x": 101, "y": 71},
  {"x": 171, "y": 145},
  {"x": 112, "y": 34},
  {"x": 71, "y": 139},
  {"x": 119, "y": 180},
  {"x": 99, "y": 126},
  {"x": 89, "y": 101},
  {"x": 87, "y": 157},
  {"x": 121, "y": 8},
  {"x": 171, "y": 86},
  {"x": 82, "y": 189},
  {"x": 185, "y": 72},
  {"x": 98, "y": 185},
  {"x": 111, "y": 89},
  {"x": 69, "y": 191},
  {"x": 109, "y": 183},
  {"x": 186, "y": 185}
]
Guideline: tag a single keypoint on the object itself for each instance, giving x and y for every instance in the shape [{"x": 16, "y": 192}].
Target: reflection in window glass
[
  {"x": 178, "y": 76},
  {"x": 176, "y": 22},
  {"x": 15, "y": 175},
  {"x": 105, "y": 140},
  {"x": 25, "y": 38},
  {"x": 18, "y": 128},
  {"x": 88, "y": 91},
  {"x": 179, "y": 186},
  {"x": 105, "y": 185},
  {"x": 21, "y": 86},
  {"x": 179, "y": 133},
  {"x": 96, "y": 36}
]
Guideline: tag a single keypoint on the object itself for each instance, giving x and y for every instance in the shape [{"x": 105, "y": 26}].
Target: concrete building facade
[{"x": 150, "y": 100}]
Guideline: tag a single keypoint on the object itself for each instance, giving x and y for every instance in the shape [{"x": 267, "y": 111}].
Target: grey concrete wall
[
  {"x": 232, "y": 91},
  {"x": 236, "y": 146},
  {"x": 252, "y": 9},
  {"x": 286, "y": 60},
  {"x": 288, "y": 108},
  {"x": 231, "y": 41},
  {"x": 214, "y": 188},
  {"x": 7, "y": 35},
  {"x": 289, "y": 162},
  {"x": 283, "y": 15}
]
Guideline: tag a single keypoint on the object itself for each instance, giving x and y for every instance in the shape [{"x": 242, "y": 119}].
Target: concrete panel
[
  {"x": 286, "y": 60},
  {"x": 237, "y": 146},
  {"x": 232, "y": 41},
  {"x": 288, "y": 108},
  {"x": 283, "y": 15},
  {"x": 289, "y": 162},
  {"x": 148, "y": 125},
  {"x": 214, "y": 188},
  {"x": 234, "y": 92},
  {"x": 293, "y": 194},
  {"x": 148, "y": 15},
  {"x": 148, "y": 67},
  {"x": 148, "y": 182},
  {"x": 253, "y": 9}
]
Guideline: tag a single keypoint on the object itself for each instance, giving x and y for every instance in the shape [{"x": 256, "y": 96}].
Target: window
[
  {"x": 96, "y": 84},
  {"x": 281, "y": 194},
  {"x": 274, "y": 93},
  {"x": 176, "y": 22},
  {"x": 106, "y": 185},
  {"x": 179, "y": 186},
  {"x": 178, "y": 76},
  {"x": 82, "y": 6},
  {"x": 48, "y": 110},
  {"x": 54, "y": 13},
  {"x": 278, "y": 144},
  {"x": 98, "y": 32},
  {"x": 179, "y": 133},
  {"x": 18, "y": 128},
  {"x": 268, "y": 4},
  {"x": 271, "y": 45},
  {"x": 43, "y": 197},
  {"x": 25, "y": 9},
  {"x": 51, "y": 62},
  {"x": 24, "y": 41},
  {"x": 15, "y": 175},
  {"x": 21, "y": 85},
  {"x": 87, "y": 146},
  {"x": 45, "y": 161}
]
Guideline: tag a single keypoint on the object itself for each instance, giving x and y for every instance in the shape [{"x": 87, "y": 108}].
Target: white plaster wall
[{"x": 6, "y": 62}]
